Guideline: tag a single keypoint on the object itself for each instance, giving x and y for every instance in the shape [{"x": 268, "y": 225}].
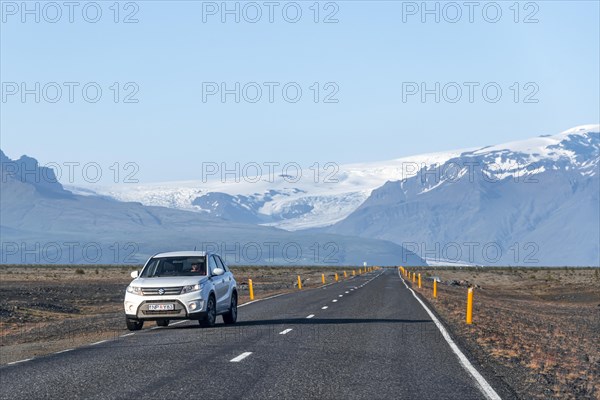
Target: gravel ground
[{"x": 538, "y": 329}]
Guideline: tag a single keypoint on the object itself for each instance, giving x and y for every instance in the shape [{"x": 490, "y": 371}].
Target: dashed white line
[
  {"x": 324, "y": 308},
  {"x": 340, "y": 295},
  {"x": 240, "y": 357},
  {"x": 334, "y": 301},
  {"x": 346, "y": 292},
  {"x": 310, "y": 316},
  {"x": 286, "y": 331}
]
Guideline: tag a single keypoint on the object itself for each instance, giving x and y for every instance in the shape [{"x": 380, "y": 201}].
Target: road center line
[
  {"x": 286, "y": 331},
  {"x": 240, "y": 357},
  {"x": 324, "y": 308},
  {"x": 340, "y": 295},
  {"x": 334, "y": 301},
  {"x": 310, "y": 316}
]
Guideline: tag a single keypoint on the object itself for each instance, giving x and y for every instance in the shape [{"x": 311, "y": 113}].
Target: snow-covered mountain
[
  {"x": 42, "y": 223},
  {"x": 323, "y": 199},
  {"x": 533, "y": 202},
  {"x": 310, "y": 198},
  {"x": 526, "y": 199}
]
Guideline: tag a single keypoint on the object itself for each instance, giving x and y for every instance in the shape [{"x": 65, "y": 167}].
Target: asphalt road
[{"x": 363, "y": 338}]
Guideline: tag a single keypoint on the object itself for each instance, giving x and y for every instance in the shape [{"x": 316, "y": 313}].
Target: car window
[
  {"x": 221, "y": 264},
  {"x": 211, "y": 264},
  {"x": 175, "y": 266}
]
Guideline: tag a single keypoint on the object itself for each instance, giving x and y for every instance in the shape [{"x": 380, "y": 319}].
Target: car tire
[
  {"x": 134, "y": 324},
  {"x": 211, "y": 314},
  {"x": 162, "y": 322},
  {"x": 231, "y": 316}
]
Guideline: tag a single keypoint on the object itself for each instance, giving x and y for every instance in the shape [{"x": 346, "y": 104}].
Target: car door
[
  {"x": 219, "y": 283},
  {"x": 228, "y": 277}
]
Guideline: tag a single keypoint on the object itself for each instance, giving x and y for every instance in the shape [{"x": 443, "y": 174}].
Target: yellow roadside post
[
  {"x": 353, "y": 272},
  {"x": 250, "y": 289},
  {"x": 470, "y": 306},
  {"x": 419, "y": 281},
  {"x": 345, "y": 275},
  {"x": 323, "y": 278},
  {"x": 299, "y": 282},
  {"x": 414, "y": 277},
  {"x": 336, "y": 277},
  {"x": 434, "y": 288}
]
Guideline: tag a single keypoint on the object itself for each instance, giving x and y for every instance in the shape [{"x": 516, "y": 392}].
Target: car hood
[{"x": 169, "y": 281}]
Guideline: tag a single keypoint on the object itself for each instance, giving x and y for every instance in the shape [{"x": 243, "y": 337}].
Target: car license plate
[{"x": 161, "y": 307}]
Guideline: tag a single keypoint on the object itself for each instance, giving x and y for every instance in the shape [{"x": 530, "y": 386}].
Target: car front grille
[
  {"x": 168, "y": 291},
  {"x": 162, "y": 312}
]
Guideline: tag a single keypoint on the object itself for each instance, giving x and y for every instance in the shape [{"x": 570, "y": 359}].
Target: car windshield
[{"x": 175, "y": 266}]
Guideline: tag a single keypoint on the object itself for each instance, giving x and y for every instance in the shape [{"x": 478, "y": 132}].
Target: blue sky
[{"x": 370, "y": 58}]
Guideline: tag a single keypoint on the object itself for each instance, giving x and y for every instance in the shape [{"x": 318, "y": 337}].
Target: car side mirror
[
  {"x": 134, "y": 274},
  {"x": 218, "y": 271}
]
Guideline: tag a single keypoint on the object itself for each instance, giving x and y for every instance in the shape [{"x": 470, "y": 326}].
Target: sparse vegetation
[{"x": 542, "y": 333}]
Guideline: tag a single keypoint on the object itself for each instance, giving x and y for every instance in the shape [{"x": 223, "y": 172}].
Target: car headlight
[
  {"x": 134, "y": 290},
  {"x": 191, "y": 288}
]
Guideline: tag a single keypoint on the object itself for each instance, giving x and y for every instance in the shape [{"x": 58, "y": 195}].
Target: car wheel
[
  {"x": 231, "y": 316},
  {"x": 134, "y": 324},
  {"x": 211, "y": 314},
  {"x": 162, "y": 322}
]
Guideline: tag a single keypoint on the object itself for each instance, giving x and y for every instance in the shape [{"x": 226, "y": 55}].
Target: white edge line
[
  {"x": 63, "y": 351},
  {"x": 129, "y": 334},
  {"x": 240, "y": 357},
  {"x": 99, "y": 342},
  {"x": 20, "y": 361},
  {"x": 266, "y": 298},
  {"x": 484, "y": 386}
]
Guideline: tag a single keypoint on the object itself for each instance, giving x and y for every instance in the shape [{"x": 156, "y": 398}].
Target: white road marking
[
  {"x": 346, "y": 292},
  {"x": 178, "y": 322},
  {"x": 20, "y": 361},
  {"x": 334, "y": 301},
  {"x": 324, "y": 308},
  {"x": 310, "y": 316},
  {"x": 63, "y": 351},
  {"x": 128, "y": 334},
  {"x": 240, "y": 357},
  {"x": 341, "y": 295},
  {"x": 484, "y": 386},
  {"x": 101, "y": 341},
  {"x": 266, "y": 298},
  {"x": 286, "y": 331}
]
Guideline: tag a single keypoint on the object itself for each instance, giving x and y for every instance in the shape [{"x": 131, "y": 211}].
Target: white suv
[{"x": 181, "y": 285}]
